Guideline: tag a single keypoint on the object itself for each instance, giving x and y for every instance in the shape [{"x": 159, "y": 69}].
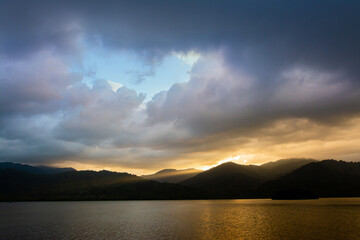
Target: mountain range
[
  {"x": 231, "y": 180},
  {"x": 327, "y": 178},
  {"x": 32, "y": 169}
]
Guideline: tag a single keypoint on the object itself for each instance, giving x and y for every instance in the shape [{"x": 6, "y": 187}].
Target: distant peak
[
  {"x": 34, "y": 169},
  {"x": 229, "y": 164},
  {"x": 288, "y": 161},
  {"x": 226, "y": 165},
  {"x": 167, "y": 170}
]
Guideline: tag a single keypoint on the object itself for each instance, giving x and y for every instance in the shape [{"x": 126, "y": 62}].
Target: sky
[{"x": 139, "y": 86}]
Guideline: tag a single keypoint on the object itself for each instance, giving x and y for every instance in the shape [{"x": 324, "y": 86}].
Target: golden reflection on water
[
  {"x": 200, "y": 219},
  {"x": 267, "y": 219}
]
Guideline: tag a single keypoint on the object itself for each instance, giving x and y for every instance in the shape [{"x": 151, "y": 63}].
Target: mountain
[
  {"x": 172, "y": 175},
  {"x": 284, "y": 166},
  {"x": 327, "y": 178},
  {"x": 17, "y": 185},
  {"x": 33, "y": 169},
  {"x": 230, "y": 180}
]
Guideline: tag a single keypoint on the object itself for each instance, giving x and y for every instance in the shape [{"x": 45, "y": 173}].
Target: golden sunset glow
[
  {"x": 102, "y": 96},
  {"x": 178, "y": 119}
]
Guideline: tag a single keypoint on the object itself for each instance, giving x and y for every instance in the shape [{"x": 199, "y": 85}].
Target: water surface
[{"x": 336, "y": 218}]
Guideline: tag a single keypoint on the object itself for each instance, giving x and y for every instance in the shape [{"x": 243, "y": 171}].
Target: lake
[{"x": 331, "y": 218}]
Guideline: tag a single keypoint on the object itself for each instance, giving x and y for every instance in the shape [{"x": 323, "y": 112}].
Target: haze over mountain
[
  {"x": 234, "y": 180},
  {"x": 284, "y": 166},
  {"x": 85, "y": 185},
  {"x": 34, "y": 169},
  {"x": 229, "y": 180},
  {"x": 135, "y": 86},
  {"x": 327, "y": 178},
  {"x": 172, "y": 175}
]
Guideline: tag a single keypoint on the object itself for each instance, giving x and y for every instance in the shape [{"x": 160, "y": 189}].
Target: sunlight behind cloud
[
  {"x": 239, "y": 159},
  {"x": 188, "y": 58},
  {"x": 178, "y": 85},
  {"x": 115, "y": 85}
]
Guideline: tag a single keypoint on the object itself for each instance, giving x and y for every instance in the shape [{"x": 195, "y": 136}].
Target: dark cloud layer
[
  {"x": 324, "y": 33},
  {"x": 262, "y": 63}
]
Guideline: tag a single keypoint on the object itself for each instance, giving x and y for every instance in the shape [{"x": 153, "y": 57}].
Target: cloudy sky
[{"x": 143, "y": 85}]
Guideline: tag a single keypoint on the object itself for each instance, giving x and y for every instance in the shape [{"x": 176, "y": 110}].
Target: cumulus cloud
[
  {"x": 222, "y": 98},
  {"x": 33, "y": 85},
  {"x": 102, "y": 117},
  {"x": 266, "y": 75}
]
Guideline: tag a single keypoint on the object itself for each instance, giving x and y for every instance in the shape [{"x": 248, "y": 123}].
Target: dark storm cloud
[
  {"x": 262, "y": 62},
  {"x": 273, "y": 34}
]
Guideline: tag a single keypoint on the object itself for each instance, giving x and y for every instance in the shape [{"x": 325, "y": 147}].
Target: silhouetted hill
[
  {"x": 230, "y": 180},
  {"x": 282, "y": 167},
  {"x": 172, "y": 175},
  {"x": 34, "y": 169},
  {"x": 16, "y": 185},
  {"x": 328, "y": 178}
]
